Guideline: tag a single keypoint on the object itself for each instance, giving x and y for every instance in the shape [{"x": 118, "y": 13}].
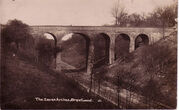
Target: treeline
[
  {"x": 16, "y": 39},
  {"x": 159, "y": 17}
]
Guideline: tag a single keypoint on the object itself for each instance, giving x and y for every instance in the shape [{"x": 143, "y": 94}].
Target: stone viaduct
[{"x": 148, "y": 35}]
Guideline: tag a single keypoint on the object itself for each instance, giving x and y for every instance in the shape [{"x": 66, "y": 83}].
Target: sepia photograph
[{"x": 88, "y": 54}]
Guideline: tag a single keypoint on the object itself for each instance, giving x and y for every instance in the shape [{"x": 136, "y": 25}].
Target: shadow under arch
[
  {"x": 82, "y": 41},
  {"x": 122, "y": 45},
  {"x": 141, "y": 39},
  {"x": 101, "y": 49},
  {"x": 47, "y": 49}
]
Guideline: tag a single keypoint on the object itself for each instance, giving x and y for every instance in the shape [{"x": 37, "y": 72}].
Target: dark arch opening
[
  {"x": 56, "y": 48},
  {"x": 75, "y": 51},
  {"x": 101, "y": 50},
  {"x": 122, "y": 44},
  {"x": 141, "y": 40},
  {"x": 46, "y": 47}
]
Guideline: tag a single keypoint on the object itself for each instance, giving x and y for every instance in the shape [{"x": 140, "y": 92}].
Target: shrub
[{"x": 16, "y": 31}]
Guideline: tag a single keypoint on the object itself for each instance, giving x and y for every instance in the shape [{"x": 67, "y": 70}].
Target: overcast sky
[{"x": 70, "y": 12}]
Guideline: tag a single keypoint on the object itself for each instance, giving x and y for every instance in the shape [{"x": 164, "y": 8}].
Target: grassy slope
[
  {"x": 22, "y": 81},
  {"x": 73, "y": 57},
  {"x": 74, "y": 51},
  {"x": 168, "y": 89}
]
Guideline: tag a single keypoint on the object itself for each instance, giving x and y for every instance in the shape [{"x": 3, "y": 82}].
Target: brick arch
[
  {"x": 87, "y": 43},
  {"x": 124, "y": 35},
  {"x": 54, "y": 37},
  {"x": 122, "y": 45},
  {"x": 84, "y": 35},
  {"x": 101, "y": 48},
  {"x": 142, "y": 39}
]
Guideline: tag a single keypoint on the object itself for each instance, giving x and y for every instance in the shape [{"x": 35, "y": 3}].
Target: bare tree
[
  {"x": 100, "y": 75},
  {"x": 119, "y": 76},
  {"x": 131, "y": 79},
  {"x": 118, "y": 12},
  {"x": 151, "y": 91},
  {"x": 164, "y": 17},
  {"x": 156, "y": 60}
]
